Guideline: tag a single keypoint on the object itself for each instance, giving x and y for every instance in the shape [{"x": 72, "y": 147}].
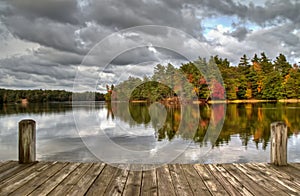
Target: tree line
[
  {"x": 255, "y": 78},
  {"x": 40, "y": 96}
]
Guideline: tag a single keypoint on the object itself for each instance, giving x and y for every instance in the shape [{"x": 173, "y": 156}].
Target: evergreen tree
[{"x": 281, "y": 65}]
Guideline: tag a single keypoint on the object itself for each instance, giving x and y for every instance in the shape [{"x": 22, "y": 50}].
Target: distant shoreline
[
  {"x": 251, "y": 101},
  {"x": 235, "y": 101}
]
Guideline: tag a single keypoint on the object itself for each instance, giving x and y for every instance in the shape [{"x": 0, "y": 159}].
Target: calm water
[{"x": 88, "y": 131}]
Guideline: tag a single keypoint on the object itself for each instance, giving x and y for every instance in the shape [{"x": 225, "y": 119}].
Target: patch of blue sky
[{"x": 229, "y": 22}]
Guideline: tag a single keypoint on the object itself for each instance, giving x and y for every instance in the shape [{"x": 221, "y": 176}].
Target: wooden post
[
  {"x": 278, "y": 144},
  {"x": 27, "y": 142}
]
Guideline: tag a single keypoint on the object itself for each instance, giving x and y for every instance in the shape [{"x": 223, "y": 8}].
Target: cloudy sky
[{"x": 49, "y": 44}]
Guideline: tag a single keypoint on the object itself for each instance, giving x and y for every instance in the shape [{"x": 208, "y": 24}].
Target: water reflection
[
  {"x": 244, "y": 137},
  {"x": 248, "y": 121}
]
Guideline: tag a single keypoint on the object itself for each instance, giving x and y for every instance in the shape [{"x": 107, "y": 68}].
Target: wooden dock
[{"x": 58, "y": 178}]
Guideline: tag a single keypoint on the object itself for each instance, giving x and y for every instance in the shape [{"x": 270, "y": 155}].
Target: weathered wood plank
[
  {"x": 259, "y": 176},
  {"x": 179, "y": 180},
  {"x": 280, "y": 180},
  {"x": 38, "y": 180},
  {"x": 164, "y": 181},
  {"x": 149, "y": 182},
  {"x": 213, "y": 185},
  {"x": 71, "y": 180},
  {"x": 290, "y": 171},
  {"x": 102, "y": 181},
  {"x": 11, "y": 184},
  {"x": 8, "y": 165},
  {"x": 87, "y": 180},
  {"x": 227, "y": 186},
  {"x": 4, "y": 163},
  {"x": 12, "y": 171},
  {"x": 133, "y": 184},
  {"x": 295, "y": 165},
  {"x": 117, "y": 184},
  {"x": 245, "y": 179},
  {"x": 232, "y": 180},
  {"x": 54, "y": 181},
  {"x": 195, "y": 181}
]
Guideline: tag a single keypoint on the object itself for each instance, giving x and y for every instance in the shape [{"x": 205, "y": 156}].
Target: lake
[{"x": 141, "y": 133}]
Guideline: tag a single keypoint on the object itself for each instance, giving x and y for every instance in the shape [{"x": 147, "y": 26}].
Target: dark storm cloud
[
  {"x": 20, "y": 80},
  {"x": 59, "y": 57},
  {"x": 124, "y": 14},
  {"x": 65, "y": 11},
  {"x": 114, "y": 15},
  {"x": 276, "y": 11},
  {"x": 146, "y": 54},
  {"x": 45, "y": 32},
  {"x": 28, "y": 65},
  {"x": 240, "y": 33}
]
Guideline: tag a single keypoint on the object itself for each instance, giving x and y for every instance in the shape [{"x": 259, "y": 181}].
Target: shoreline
[{"x": 235, "y": 101}]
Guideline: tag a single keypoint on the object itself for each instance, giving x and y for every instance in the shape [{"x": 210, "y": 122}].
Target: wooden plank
[
  {"x": 11, "y": 184},
  {"x": 179, "y": 180},
  {"x": 13, "y": 171},
  {"x": 28, "y": 171},
  {"x": 71, "y": 180},
  {"x": 38, "y": 180},
  {"x": 279, "y": 179},
  {"x": 149, "y": 182},
  {"x": 260, "y": 178},
  {"x": 227, "y": 186},
  {"x": 117, "y": 184},
  {"x": 290, "y": 171},
  {"x": 246, "y": 179},
  {"x": 195, "y": 181},
  {"x": 284, "y": 180},
  {"x": 102, "y": 181},
  {"x": 164, "y": 181},
  {"x": 4, "y": 163},
  {"x": 134, "y": 183},
  {"x": 212, "y": 184},
  {"x": 295, "y": 165},
  {"x": 54, "y": 181},
  {"x": 232, "y": 180},
  {"x": 8, "y": 165},
  {"x": 87, "y": 180}
]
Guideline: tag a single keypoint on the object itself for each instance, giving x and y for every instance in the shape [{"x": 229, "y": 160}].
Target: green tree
[{"x": 281, "y": 65}]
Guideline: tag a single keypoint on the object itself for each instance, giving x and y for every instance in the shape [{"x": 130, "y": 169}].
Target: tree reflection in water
[{"x": 248, "y": 121}]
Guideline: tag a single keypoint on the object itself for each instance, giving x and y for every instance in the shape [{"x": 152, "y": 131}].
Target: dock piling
[
  {"x": 278, "y": 144},
  {"x": 27, "y": 143}
]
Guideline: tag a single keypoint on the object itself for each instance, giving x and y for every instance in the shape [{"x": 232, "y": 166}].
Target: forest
[
  {"x": 40, "y": 96},
  {"x": 255, "y": 78}
]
